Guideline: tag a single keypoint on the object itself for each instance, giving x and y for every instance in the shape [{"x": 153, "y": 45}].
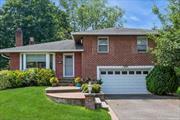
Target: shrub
[
  {"x": 4, "y": 80},
  {"x": 39, "y": 77},
  {"x": 178, "y": 91},
  {"x": 30, "y": 77},
  {"x": 54, "y": 81},
  {"x": 96, "y": 88},
  {"x": 84, "y": 88},
  {"x": 43, "y": 76},
  {"x": 162, "y": 80},
  {"x": 177, "y": 70}
]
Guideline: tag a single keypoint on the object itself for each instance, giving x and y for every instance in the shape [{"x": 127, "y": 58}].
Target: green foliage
[
  {"x": 178, "y": 91},
  {"x": 30, "y": 77},
  {"x": 40, "y": 19},
  {"x": 54, "y": 81},
  {"x": 162, "y": 80},
  {"x": 177, "y": 70},
  {"x": 167, "y": 51},
  {"x": 96, "y": 88},
  {"x": 4, "y": 80},
  {"x": 31, "y": 103},
  {"x": 92, "y": 14},
  {"x": 77, "y": 80}
]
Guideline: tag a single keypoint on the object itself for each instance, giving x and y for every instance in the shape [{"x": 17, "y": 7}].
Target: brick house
[{"x": 118, "y": 56}]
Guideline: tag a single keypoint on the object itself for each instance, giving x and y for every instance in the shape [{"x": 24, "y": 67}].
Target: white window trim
[
  {"x": 65, "y": 54},
  {"x": 98, "y": 69},
  {"x": 146, "y": 44},
  {"x": 47, "y": 60},
  {"x": 104, "y": 44}
]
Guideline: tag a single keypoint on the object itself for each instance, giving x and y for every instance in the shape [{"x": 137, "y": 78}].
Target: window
[
  {"x": 35, "y": 61},
  {"x": 138, "y": 72},
  {"x": 103, "y": 72},
  {"x": 142, "y": 44},
  {"x": 51, "y": 61},
  {"x": 124, "y": 72},
  {"x": 131, "y": 72},
  {"x": 103, "y": 45},
  {"x": 38, "y": 60},
  {"x": 145, "y": 72},
  {"x": 117, "y": 72},
  {"x": 110, "y": 72}
]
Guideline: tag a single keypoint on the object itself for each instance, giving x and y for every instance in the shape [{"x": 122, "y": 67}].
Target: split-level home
[{"x": 117, "y": 56}]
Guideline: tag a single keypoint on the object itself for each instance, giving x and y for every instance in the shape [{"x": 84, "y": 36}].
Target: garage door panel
[{"x": 124, "y": 84}]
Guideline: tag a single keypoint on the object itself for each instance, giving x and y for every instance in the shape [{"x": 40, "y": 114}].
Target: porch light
[{"x": 89, "y": 87}]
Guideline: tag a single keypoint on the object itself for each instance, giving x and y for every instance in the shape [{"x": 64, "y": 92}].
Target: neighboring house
[{"x": 118, "y": 56}]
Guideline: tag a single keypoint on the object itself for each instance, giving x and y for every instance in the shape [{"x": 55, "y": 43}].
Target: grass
[{"x": 31, "y": 103}]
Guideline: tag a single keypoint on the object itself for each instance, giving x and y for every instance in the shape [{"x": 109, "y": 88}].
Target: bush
[
  {"x": 39, "y": 77},
  {"x": 162, "y": 80},
  {"x": 178, "y": 91},
  {"x": 177, "y": 70},
  {"x": 30, "y": 77},
  {"x": 96, "y": 88},
  {"x": 54, "y": 81},
  {"x": 4, "y": 80}
]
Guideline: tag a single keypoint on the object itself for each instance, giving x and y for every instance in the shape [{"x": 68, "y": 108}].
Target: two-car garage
[{"x": 123, "y": 80}]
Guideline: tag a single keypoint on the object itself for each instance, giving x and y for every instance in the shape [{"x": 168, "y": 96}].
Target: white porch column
[{"x": 47, "y": 61}]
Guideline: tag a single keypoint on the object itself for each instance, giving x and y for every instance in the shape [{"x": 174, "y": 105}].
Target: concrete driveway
[{"x": 145, "y": 107}]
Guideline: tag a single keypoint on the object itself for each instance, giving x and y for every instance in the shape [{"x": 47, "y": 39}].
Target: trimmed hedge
[
  {"x": 30, "y": 77},
  {"x": 162, "y": 80}
]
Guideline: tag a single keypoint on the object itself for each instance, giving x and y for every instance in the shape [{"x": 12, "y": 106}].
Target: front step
[
  {"x": 101, "y": 104},
  {"x": 62, "y": 89},
  {"x": 66, "y": 82},
  {"x": 72, "y": 98},
  {"x": 104, "y": 106}
]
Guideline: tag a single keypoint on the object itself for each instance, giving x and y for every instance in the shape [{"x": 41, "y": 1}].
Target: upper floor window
[
  {"x": 142, "y": 44},
  {"x": 103, "y": 45}
]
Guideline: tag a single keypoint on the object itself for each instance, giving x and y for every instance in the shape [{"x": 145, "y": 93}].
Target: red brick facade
[
  {"x": 122, "y": 52},
  {"x": 14, "y": 61}
]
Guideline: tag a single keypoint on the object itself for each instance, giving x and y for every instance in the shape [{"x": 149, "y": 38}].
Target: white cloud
[{"x": 134, "y": 18}]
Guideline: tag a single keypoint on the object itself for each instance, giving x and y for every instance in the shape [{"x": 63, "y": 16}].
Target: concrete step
[
  {"x": 66, "y": 84},
  {"x": 104, "y": 106},
  {"x": 72, "y": 98},
  {"x": 98, "y": 102},
  {"x": 62, "y": 89}
]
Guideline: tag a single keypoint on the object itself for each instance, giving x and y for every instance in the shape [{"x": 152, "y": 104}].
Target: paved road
[{"x": 145, "y": 107}]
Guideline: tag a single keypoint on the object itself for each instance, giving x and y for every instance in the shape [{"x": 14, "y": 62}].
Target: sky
[{"x": 138, "y": 13}]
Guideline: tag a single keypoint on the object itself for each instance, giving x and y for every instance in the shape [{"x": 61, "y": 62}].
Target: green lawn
[{"x": 31, "y": 104}]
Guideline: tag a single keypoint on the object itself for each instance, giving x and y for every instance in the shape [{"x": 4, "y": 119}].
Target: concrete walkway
[{"x": 145, "y": 107}]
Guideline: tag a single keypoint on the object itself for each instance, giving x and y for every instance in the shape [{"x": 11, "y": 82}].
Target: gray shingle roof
[
  {"x": 117, "y": 31},
  {"x": 58, "y": 46}
]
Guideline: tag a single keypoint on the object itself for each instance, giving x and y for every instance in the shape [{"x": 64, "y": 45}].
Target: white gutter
[{"x": 14, "y": 51}]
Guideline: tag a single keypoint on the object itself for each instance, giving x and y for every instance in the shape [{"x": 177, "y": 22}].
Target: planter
[{"x": 78, "y": 85}]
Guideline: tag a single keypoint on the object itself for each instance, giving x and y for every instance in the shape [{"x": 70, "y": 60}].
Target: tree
[
  {"x": 167, "y": 47},
  {"x": 40, "y": 19},
  {"x": 91, "y": 14}
]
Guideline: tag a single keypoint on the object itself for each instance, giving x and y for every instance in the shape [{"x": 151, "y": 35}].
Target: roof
[
  {"x": 58, "y": 46},
  {"x": 117, "y": 31}
]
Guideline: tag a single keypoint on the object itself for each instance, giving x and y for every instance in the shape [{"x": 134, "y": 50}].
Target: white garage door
[{"x": 124, "y": 81}]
